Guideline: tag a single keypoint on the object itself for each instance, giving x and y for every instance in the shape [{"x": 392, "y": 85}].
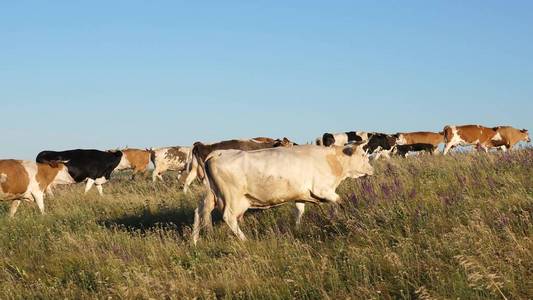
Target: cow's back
[{"x": 422, "y": 137}]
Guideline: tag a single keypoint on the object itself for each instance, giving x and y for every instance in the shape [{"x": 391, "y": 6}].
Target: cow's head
[
  {"x": 47, "y": 157},
  {"x": 285, "y": 142},
  {"x": 356, "y": 160},
  {"x": 525, "y": 137},
  {"x": 328, "y": 139}
]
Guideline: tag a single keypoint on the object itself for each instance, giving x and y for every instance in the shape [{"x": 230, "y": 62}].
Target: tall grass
[{"x": 422, "y": 228}]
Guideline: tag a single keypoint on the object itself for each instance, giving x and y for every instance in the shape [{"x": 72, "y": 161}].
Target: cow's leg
[
  {"x": 207, "y": 207},
  {"x": 447, "y": 148},
  {"x": 39, "y": 199},
  {"x": 49, "y": 191},
  {"x": 99, "y": 182},
  {"x": 155, "y": 175},
  {"x": 386, "y": 154},
  {"x": 89, "y": 185},
  {"x": 232, "y": 213},
  {"x": 100, "y": 189},
  {"x": 327, "y": 194},
  {"x": 202, "y": 216},
  {"x": 13, "y": 209},
  {"x": 299, "y": 210},
  {"x": 196, "y": 226}
]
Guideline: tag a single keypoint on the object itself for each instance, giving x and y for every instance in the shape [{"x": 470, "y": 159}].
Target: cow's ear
[
  {"x": 53, "y": 163},
  {"x": 524, "y": 130},
  {"x": 348, "y": 151}
]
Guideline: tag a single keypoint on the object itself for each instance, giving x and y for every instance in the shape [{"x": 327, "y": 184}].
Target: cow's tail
[
  {"x": 447, "y": 133},
  {"x": 211, "y": 182},
  {"x": 190, "y": 157},
  {"x": 152, "y": 155}
]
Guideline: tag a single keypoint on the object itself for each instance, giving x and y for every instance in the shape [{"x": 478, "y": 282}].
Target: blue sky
[{"x": 106, "y": 74}]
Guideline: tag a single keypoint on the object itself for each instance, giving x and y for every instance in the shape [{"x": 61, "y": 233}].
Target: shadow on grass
[
  {"x": 180, "y": 220},
  {"x": 145, "y": 221}
]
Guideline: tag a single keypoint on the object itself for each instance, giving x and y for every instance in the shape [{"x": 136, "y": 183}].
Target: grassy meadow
[{"x": 426, "y": 227}]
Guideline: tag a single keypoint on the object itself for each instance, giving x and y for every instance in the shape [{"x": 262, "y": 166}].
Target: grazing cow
[
  {"x": 509, "y": 137},
  {"x": 170, "y": 158},
  {"x": 27, "y": 180},
  {"x": 136, "y": 159},
  {"x": 93, "y": 166},
  {"x": 419, "y": 141},
  {"x": 341, "y": 138},
  {"x": 240, "y": 180},
  {"x": 200, "y": 152},
  {"x": 465, "y": 135}
]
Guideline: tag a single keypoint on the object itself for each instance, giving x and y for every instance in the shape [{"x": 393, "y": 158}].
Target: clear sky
[{"x": 106, "y": 74}]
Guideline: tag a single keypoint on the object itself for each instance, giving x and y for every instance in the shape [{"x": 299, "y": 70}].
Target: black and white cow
[
  {"x": 93, "y": 166},
  {"x": 341, "y": 138},
  {"x": 380, "y": 144},
  {"x": 377, "y": 144}
]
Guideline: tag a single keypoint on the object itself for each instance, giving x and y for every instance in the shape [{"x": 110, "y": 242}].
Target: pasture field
[{"x": 428, "y": 227}]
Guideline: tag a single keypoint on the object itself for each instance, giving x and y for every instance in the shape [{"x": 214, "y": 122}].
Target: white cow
[
  {"x": 170, "y": 158},
  {"x": 266, "y": 178}
]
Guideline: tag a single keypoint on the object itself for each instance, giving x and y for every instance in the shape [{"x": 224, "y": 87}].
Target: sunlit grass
[{"x": 422, "y": 227}]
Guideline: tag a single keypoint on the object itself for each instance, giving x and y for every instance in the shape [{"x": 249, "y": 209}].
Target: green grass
[{"x": 423, "y": 227}]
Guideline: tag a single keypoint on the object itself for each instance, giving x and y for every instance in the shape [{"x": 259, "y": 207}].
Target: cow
[
  {"x": 466, "y": 135},
  {"x": 91, "y": 166},
  {"x": 341, "y": 138},
  {"x": 28, "y": 180},
  {"x": 509, "y": 137},
  {"x": 200, "y": 152},
  {"x": 135, "y": 159},
  {"x": 380, "y": 144},
  {"x": 261, "y": 179},
  {"x": 419, "y": 141},
  {"x": 375, "y": 143},
  {"x": 175, "y": 158},
  {"x": 402, "y": 150}
]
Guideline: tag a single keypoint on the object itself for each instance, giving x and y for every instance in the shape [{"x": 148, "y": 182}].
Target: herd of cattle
[{"x": 257, "y": 173}]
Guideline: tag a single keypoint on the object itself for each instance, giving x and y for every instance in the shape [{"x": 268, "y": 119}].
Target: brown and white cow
[
  {"x": 261, "y": 179},
  {"x": 170, "y": 158},
  {"x": 200, "y": 152},
  {"x": 28, "y": 180},
  {"x": 509, "y": 137},
  {"x": 134, "y": 159},
  {"x": 469, "y": 135},
  {"x": 419, "y": 141}
]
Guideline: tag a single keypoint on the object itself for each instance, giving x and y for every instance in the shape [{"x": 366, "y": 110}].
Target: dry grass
[{"x": 425, "y": 227}]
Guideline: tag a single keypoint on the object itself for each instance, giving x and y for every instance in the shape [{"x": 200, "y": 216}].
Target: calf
[
  {"x": 402, "y": 150},
  {"x": 419, "y": 141},
  {"x": 261, "y": 179},
  {"x": 91, "y": 166},
  {"x": 200, "y": 152},
  {"x": 27, "y": 180},
  {"x": 135, "y": 159},
  {"x": 466, "y": 135},
  {"x": 170, "y": 158}
]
